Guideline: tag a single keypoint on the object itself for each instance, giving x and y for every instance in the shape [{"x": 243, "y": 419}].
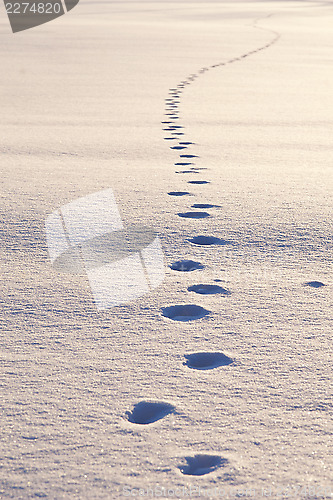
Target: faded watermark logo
[
  {"x": 88, "y": 236},
  {"x": 29, "y": 14}
]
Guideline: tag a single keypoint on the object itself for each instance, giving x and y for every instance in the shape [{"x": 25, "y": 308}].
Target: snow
[{"x": 98, "y": 404}]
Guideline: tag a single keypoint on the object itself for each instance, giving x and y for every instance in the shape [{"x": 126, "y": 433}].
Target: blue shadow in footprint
[
  {"x": 208, "y": 240},
  {"x": 184, "y": 312},
  {"x": 146, "y": 412},
  {"x": 204, "y": 205},
  {"x": 194, "y": 215},
  {"x": 198, "y": 182},
  {"x": 178, "y": 193},
  {"x": 186, "y": 265},
  {"x": 314, "y": 284},
  {"x": 208, "y": 289},
  {"x": 206, "y": 360},
  {"x": 200, "y": 465}
]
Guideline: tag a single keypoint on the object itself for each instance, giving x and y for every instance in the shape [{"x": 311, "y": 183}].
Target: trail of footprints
[{"x": 148, "y": 412}]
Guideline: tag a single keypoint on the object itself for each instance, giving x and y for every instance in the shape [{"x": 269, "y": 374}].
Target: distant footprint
[
  {"x": 186, "y": 265},
  {"x": 189, "y": 156},
  {"x": 208, "y": 240},
  {"x": 178, "y": 193},
  {"x": 200, "y": 465},
  {"x": 198, "y": 182},
  {"x": 194, "y": 215},
  {"x": 146, "y": 413},
  {"x": 186, "y": 172},
  {"x": 186, "y": 312},
  {"x": 315, "y": 284},
  {"x": 208, "y": 289},
  {"x": 178, "y": 147},
  {"x": 207, "y": 360},
  {"x": 204, "y": 205}
]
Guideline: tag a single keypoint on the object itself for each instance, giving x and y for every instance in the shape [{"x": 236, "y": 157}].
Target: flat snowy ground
[{"x": 82, "y": 101}]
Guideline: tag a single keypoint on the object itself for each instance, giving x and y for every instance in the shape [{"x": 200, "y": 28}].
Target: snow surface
[{"x": 96, "y": 405}]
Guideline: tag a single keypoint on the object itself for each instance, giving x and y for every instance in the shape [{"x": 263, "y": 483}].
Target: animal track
[
  {"x": 204, "y": 205},
  {"x": 194, "y": 215},
  {"x": 186, "y": 312},
  {"x": 186, "y": 265},
  {"x": 208, "y": 240},
  {"x": 178, "y": 193},
  {"x": 314, "y": 284},
  {"x": 208, "y": 289},
  {"x": 200, "y": 465},
  {"x": 146, "y": 412},
  {"x": 186, "y": 172},
  {"x": 198, "y": 182},
  {"x": 207, "y": 360}
]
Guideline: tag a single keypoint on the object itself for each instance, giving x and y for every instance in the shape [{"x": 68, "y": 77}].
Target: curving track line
[
  {"x": 171, "y": 123},
  {"x": 200, "y": 464}
]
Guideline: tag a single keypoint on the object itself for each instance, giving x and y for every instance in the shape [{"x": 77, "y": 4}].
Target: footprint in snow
[
  {"x": 186, "y": 172},
  {"x": 208, "y": 289},
  {"x": 147, "y": 412},
  {"x": 184, "y": 312},
  {"x": 198, "y": 182},
  {"x": 200, "y": 465},
  {"x": 314, "y": 284},
  {"x": 206, "y": 360},
  {"x": 194, "y": 215},
  {"x": 204, "y": 205},
  {"x": 178, "y": 193},
  {"x": 186, "y": 265},
  {"x": 208, "y": 240}
]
